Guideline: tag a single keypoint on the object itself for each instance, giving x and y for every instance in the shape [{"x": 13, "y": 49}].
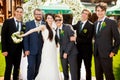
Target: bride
[{"x": 49, "y": 68}]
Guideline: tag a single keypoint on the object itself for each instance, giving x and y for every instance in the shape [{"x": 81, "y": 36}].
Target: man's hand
[
  {"x": 111, "y": 54},
  {"x": 26, "y": 53},
  {"x": 5, "y": 53},
  {"x": 65, "y": 55},
  {"x": 72, "y": 38}
]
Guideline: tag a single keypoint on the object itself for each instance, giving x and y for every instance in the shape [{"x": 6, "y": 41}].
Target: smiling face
[
  {"x": 38, "y": 15},
  {"x": 59, "y": 20},
  {"x": 100, "y": 12},
  {"x": 18, "y": 13},
  {"x": 49, "y": 19},
  {"x": 85, "y": 14}
]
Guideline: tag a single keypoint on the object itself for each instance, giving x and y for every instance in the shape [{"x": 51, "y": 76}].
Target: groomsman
[
  {"x": 107, "y": 41},
  {"x": 11, "y": 50},
  {"x": 68, "y": 50},
  {"x": 33, "y": 45},
  {"x": 84, "y": 29}
]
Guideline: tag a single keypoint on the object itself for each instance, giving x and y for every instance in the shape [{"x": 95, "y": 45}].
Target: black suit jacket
[
  {"x": 84, "y": 38},
  {"x": 8, "y": 45},
  {"x": 107, "y": 40}
]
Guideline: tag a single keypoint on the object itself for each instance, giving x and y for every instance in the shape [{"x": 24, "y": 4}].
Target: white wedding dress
[{"x": 49, "y": 67}]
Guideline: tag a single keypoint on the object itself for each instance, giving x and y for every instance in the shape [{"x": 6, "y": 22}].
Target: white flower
[{"x": 16, "y": 37}]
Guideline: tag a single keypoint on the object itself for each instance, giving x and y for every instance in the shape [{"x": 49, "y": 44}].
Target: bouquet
[{"x": 16, "y": 37}]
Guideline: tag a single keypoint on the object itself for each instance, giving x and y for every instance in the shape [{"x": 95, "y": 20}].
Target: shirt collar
[
  {"x": 61, "y": 27},
  {"x": 84, "y": 21},
  {"x": 38, "y": 21},
  {"x": 103, "y": 19},
  {"x": 16, "y": 20}
]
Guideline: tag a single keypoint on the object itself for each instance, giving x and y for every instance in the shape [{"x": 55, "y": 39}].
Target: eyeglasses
[
  {"x": 58, "y": 20},
  {"x": 38, "y": 14},
  {"x": 84, "y": 13}
]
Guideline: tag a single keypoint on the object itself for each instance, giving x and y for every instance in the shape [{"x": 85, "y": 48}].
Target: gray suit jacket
[
  {"x": 107, "y": 40},
  {"x": 67, "y": 46}
]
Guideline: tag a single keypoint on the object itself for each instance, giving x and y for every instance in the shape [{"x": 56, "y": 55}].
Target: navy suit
[{"x": 33, "y": 43}]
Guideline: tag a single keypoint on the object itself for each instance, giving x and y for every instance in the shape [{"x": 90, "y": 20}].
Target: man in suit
[
  {"x": 68, "y": 50},
  {"x": 107, "y": 41},
  {"x": 33, "y": 45},
  {"x": 84, "y": 29},
  {"x": 11, "y": 50}
]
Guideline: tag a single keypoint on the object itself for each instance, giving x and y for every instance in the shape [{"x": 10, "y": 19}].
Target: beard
[{"x": 38, "y": 19}]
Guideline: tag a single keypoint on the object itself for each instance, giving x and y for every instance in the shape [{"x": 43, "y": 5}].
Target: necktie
[
  {"x": 59, "y": 33},
  {"x": 17, "y": 25},
  {"x": 99, "y": 26},
  {"x": 80, "y": 27},
  {"x": 37, "y": 24}
]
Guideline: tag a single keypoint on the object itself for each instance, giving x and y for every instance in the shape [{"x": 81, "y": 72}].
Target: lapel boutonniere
[
  {"x": 62, "y": 32},
  {"x": 103, "y": 25},
  {"x": 23, "y": 27},
  {"x": 84, "y": 30}
]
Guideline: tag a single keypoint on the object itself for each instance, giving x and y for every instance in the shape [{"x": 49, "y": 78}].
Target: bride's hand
[
  {"x": 42, "y": 27},
  {"x": 22, "y": 35}
]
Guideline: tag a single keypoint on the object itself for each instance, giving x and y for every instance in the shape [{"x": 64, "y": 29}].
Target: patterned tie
[
  {"x": 37, "y": 24},
  {"x": 80, "y": 27}
]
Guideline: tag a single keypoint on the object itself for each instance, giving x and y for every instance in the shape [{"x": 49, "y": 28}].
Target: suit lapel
[
  {"x": 33, "y": 24},
  {"x": 42, "y": 22},
  {"x": 84, "y": 27},
  {"x": 79, "y": 27},
  {"x": 96, "y": 27},
  {"x": 62, "y": 35},
  {"x": 103, "y": 26},
  {"x": 13, "y": 24}
]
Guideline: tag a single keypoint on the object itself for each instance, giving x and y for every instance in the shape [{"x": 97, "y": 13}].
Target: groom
[
  {"x": 33, "y": 45},
  {"x": 68, "y": 50}
]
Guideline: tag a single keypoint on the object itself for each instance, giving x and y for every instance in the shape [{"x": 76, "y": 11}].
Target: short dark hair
[
  {"x": 102, "y": 5},
  {"x": 18, "y": 7}
]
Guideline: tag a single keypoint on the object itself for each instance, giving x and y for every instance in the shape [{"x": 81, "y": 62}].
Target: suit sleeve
[
  {"x": 116, "y": 36},
  {"x": 4, "y": 36},
  {"x": 26, "y": 39},
  {"x": 70, "y": 44},
  {"x": 75, "y": 26}
]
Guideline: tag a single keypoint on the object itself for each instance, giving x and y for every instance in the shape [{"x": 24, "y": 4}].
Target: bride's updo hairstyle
[{"x": 50, "y": 37}]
